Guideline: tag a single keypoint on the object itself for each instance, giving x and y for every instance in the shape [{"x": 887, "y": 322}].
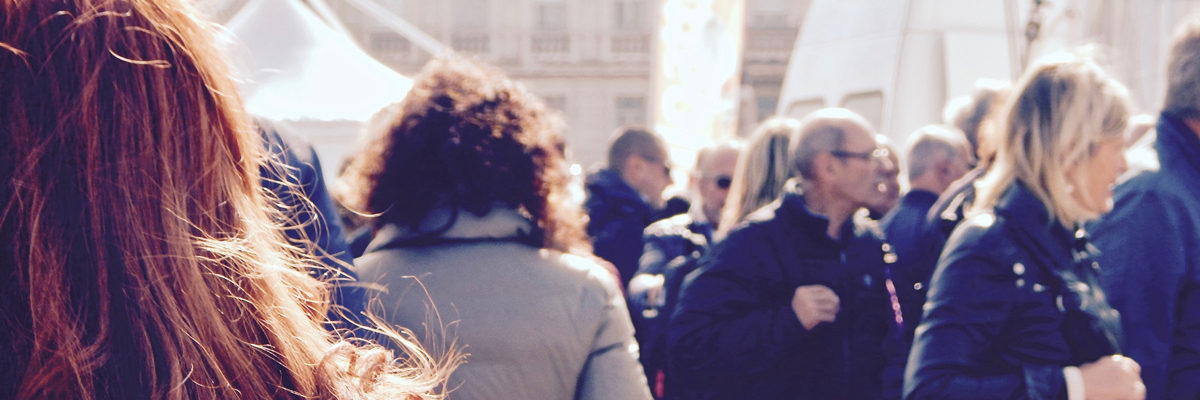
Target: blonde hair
[
  {"x": 145, "y": 258},
  {"x": 761, "y": 171},
  {"x": 1058, "y": 112}
]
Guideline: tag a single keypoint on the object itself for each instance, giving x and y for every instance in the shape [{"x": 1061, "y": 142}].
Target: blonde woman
[
  {"x": 138, "y": 254},
  {"x": 761, "y": 171},
  {"x": 1015, "y": 310}
]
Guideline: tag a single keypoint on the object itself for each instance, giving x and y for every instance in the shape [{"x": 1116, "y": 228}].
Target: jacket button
[
  {"x": 918, "y": 286},
  {"x": 1020, "y": 283},
  {"x": 1038, "y": 288},
  {"x": 1019, "y": 269}
]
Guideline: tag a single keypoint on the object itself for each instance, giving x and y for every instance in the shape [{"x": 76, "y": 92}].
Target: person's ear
[{"x": 825, "y": 166}]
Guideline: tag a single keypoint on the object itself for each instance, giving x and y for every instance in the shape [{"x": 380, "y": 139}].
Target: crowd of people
[{"x": 162, "y": 243}]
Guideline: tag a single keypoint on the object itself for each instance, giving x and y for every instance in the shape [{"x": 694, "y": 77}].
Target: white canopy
[{"x": 295, "y": 67}]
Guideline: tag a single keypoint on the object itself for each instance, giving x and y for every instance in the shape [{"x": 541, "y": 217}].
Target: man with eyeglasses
[
  {"x": 791, "y": 304},
  {"x": 671, "y": 247}
]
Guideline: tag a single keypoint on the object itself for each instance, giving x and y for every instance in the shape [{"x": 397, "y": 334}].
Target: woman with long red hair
[{"x": 137, "y": 250}]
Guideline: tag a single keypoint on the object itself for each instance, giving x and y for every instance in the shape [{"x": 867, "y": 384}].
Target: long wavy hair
[
  {"x": 466, "y": 139},
  {"x": 1058, "y": 112},
  {"x": 762, "y": 171},
  {"x": 139, "y": 257}
]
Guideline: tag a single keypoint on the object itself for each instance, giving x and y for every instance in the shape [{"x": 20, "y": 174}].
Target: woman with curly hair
[
  {"x": 473, "y": 213},
  {"x": 140, "y": 255}
]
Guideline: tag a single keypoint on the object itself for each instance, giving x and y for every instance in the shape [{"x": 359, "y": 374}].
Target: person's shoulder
[
  {"x": 754, "y": 226},
  {"x": 1163, "y": 183},
  {"x": 980, "y": 232},
  {"x": 587, "y": 270}
]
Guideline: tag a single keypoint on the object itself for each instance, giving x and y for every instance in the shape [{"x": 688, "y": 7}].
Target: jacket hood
[
  {"x": 501, "y": 224},
  {"x": 1176, "y": 144}
]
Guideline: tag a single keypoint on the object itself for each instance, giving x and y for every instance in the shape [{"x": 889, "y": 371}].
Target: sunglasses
[{"x": 722, "y": 181}]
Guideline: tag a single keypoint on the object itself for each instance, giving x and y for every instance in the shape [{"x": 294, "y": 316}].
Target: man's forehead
[{"x": 858, "y": 136}]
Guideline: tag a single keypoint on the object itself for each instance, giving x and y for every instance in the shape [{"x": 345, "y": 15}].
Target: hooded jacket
[
  {"x": 1150, "y": 250},
  {"x": 536, "y": 323}
]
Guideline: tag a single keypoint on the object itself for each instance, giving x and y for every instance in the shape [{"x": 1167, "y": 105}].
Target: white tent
[
  {"x": 896, "y": 63},
  {"x": 298, "y": 70}
]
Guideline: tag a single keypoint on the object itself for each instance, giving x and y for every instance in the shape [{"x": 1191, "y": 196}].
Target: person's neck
[
  {"x": 837, "y": 211},
  {"x": 927, "y": 183}
]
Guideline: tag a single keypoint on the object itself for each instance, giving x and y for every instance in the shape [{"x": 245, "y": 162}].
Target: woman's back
[{"x": 536, "y": 323}]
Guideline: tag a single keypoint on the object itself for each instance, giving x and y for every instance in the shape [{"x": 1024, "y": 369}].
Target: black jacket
[
  {"x": 672, "y": 250},
  {"x": 905, "y": 228},
  {"x": 1015, "y": 298},
  {"x": 734, "y": 334},
  {"x": 1150, "y": 249},
  {"x": 616, "y": 217}
]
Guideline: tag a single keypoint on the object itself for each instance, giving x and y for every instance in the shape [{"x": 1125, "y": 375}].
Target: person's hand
[
  {"x": 650, "y": 287},
  {"x": 1114, "y": 377},
  {"x": 814, "y": 304}
]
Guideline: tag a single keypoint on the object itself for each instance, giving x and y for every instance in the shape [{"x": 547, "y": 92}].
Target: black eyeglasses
[{"x": 876, "y": 154}]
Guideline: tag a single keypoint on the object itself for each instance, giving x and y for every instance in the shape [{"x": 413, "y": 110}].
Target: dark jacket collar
[
  {"x": 919, "y": 198},
  {"x": 1025, "y": 213},
  {"x": 1176, "y": 144},
  {"x": 609, "y": 184},
  {"x": 795, "y": 211},
  {"x": 500, "y": 224}
]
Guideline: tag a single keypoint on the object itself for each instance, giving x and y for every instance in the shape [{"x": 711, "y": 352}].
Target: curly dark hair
[{"x": 469, "y": 139}]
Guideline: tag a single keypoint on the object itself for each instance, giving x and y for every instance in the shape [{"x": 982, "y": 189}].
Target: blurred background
[{"x": 694, "y": 70}]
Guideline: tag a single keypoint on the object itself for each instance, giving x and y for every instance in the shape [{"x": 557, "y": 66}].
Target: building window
[
  {"x": 801, "y": 108},
  {"x": 551, "y": 15},
  {"x": 471, "y": 15},
  {"x": 557, "y": 103},
  {"x": 766, "y": 106},
  {"x": 770, "y": 13},
  {"x": 867, "y": 104},
  {"x": 550, "y": 43},
  {"x": 470, "y": 42},
  {"x": 631, "y": 110},
  {"x": 389, "y": 43},
  {"x": 631, "y": 15}
]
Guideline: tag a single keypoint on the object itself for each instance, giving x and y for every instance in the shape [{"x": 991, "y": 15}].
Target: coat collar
[
  {"x": 608, "y": 183},
  {"x": 794, "y": 210},
  {"x": 1176, "y": 144},
  {"x": 1041, "y": 233},
  {"x": 919, "y": 198},
  {"x": 499, "y": 223}
]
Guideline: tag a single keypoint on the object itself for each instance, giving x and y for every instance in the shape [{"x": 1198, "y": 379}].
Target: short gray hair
[
  {"x": 930, "y": 145},
  {"x": 822, "y": 131}
]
